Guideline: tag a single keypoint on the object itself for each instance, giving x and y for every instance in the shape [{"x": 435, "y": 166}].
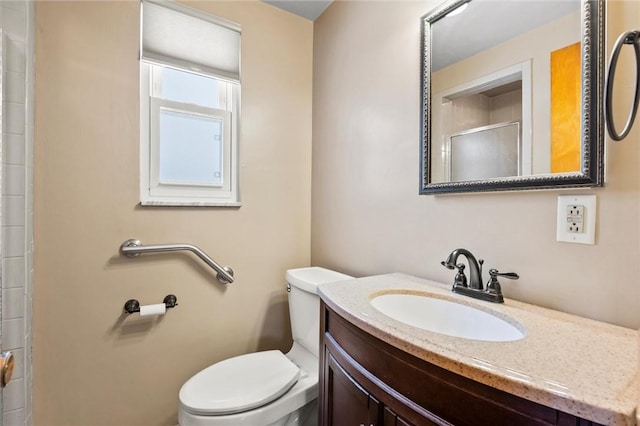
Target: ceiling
[{"x": 309, "y": 9}]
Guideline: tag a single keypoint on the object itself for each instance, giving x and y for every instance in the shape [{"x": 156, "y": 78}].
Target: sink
[{"x": 446, "y": 317}]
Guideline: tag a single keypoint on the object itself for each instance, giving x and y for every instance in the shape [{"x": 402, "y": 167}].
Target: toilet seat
[{"x": 239, "y": 384}]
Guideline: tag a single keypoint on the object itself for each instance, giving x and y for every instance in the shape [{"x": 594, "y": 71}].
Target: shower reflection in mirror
[{"x": 482, "y": 128}]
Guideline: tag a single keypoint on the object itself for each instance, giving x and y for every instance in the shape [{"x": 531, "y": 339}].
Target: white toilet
[{"x": 266, "y": 388}]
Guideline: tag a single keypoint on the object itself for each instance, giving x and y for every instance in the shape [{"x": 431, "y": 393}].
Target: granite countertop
[{"x": 580, "y": 366}]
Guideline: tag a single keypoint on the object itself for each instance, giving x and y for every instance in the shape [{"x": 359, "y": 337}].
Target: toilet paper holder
[{"x": 132, "y": 305}]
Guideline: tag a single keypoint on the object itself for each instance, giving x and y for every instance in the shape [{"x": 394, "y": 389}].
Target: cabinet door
[
  {"x": 348, "y": 403},
  {"x": 389, "y": 418}
]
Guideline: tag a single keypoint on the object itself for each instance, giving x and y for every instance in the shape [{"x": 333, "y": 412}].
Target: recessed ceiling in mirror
[{"x": 510, "y": 95}]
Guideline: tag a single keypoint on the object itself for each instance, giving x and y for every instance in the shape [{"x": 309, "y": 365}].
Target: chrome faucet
[{"x": 474, "y": 288}]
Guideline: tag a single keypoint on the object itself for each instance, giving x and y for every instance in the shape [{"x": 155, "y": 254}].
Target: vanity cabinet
[
  {"x": 366, "y": 381},
  {"x": 351, "y": 404}
]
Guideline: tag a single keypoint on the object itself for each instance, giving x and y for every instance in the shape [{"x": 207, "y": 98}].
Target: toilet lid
[{"x": 239, "y": 384}]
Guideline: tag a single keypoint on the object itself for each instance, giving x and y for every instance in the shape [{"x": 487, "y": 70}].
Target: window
[{"x": 189, "y": 107}]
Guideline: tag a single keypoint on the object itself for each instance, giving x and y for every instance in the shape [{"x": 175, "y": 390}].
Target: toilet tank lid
[{"x": 308, "y": 279}]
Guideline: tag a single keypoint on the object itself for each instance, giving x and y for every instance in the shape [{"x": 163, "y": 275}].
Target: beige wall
[
  {"x": 367, "y": 216},
  {"x": 93, "y": 366}
]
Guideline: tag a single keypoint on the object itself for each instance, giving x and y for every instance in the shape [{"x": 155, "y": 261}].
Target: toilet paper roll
[{"x": 157, "y": 309}]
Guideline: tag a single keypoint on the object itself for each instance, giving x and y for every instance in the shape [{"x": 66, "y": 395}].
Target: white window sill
[{"x": 176, "y": 203}]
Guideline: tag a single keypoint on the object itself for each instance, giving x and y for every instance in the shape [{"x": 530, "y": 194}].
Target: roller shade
[{"x": 182, "y": 37}]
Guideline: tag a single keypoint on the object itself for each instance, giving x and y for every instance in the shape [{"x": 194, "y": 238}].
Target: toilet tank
[{"x": 304, "y": 303}]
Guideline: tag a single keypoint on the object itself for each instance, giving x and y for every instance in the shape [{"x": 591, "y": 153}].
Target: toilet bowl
[{"x": 266, "y": 388}]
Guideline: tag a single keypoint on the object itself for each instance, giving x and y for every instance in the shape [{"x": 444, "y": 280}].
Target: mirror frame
[{"x": 592, "y": 125}]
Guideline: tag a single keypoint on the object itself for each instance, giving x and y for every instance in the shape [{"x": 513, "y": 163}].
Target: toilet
[{"x": 266, "y": 388}]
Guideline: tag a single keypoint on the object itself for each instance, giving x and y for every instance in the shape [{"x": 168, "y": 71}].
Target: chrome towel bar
[{"x": 133, "y": 248}]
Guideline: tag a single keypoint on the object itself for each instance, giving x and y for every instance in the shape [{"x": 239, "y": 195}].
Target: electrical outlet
[{"x": 576, "y": 219}]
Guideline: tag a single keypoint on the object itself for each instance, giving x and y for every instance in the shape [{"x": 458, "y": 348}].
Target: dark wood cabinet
[
  {"x": 365, "y": 381},
  {"x": 350, "y": 403}
]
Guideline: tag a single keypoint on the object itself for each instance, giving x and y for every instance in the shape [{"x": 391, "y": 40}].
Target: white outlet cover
[{"x": 588, "y": 236}]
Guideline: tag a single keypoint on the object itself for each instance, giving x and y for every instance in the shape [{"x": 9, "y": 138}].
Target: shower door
[{"x": 486, "y": 152}]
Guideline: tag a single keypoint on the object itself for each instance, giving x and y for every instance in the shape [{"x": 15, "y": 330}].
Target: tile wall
[{"x": 16, "y": 20}]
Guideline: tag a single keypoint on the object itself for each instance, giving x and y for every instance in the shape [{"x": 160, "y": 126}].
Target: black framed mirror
[{"x": 511, "y": 95}]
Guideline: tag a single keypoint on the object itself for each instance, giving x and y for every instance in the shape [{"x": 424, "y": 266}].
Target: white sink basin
[{"x": 446, "y": 317}]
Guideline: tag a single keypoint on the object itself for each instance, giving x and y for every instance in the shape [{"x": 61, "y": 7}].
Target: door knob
[{"x": 6, "y": 368}]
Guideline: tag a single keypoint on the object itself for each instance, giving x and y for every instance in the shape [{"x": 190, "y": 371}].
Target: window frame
[{"x": 155, "y": 193}]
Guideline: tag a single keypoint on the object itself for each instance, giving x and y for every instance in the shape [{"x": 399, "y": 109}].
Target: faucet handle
[
  {"x": 493, "y": 286},
  {"x": 461, "y": 278},
  {"x": 510, "y": 275}
]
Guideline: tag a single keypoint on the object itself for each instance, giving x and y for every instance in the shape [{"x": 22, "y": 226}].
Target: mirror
[{"x": 511, "y": 95}]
